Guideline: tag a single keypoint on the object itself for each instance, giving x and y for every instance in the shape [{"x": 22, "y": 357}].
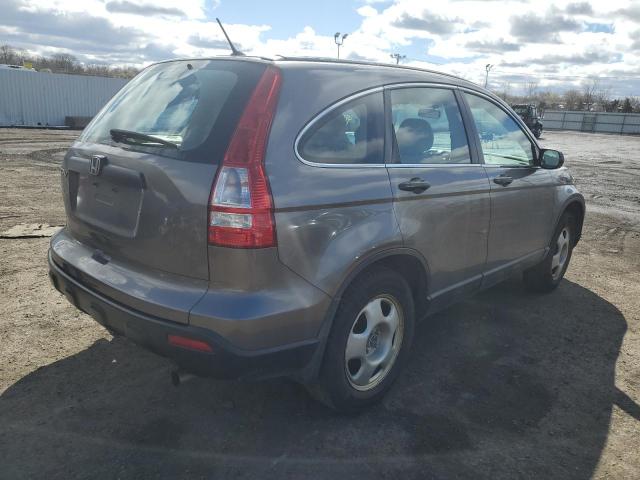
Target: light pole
[
  {"x": 488, "y": 67},
  {"x": 339, "y": 40},
  {"x": 398, "y": 57}
]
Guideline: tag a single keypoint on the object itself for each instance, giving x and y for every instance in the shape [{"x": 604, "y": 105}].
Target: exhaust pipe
[{"x": 179, "y": 376}]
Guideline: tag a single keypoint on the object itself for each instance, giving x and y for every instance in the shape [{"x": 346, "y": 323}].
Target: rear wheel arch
[
  {"x": 408, "y": 262},
  {"x": 404, "y": 261},
  {"x": 414, "y": 271},
  {"x": 346, "y": 386}
]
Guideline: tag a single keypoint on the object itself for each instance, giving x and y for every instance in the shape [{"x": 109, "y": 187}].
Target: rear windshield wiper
[{"x": 125, "y": 136}]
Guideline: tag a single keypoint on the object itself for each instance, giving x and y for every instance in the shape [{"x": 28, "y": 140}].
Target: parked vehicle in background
[
  {"x": 220, "y": 215},
  {"x": 529, "y": 114},
  {"x": 21, "y": 68}
]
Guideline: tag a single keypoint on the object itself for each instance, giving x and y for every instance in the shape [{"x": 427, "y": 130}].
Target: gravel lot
[{"x": 504, "y": 385}]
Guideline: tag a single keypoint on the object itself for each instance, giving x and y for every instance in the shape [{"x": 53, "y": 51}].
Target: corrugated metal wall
[
  {"x": 594, "y": 122},
  {"x": 33, "y": 98}
]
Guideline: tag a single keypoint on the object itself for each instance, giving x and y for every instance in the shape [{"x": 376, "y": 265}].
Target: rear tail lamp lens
[
  {"x": 241, "y": 207},
  {"x": 232, "y": 188}
]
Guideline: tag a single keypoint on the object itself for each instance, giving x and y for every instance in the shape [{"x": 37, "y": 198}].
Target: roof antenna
[{"x": 235, "y": 51}]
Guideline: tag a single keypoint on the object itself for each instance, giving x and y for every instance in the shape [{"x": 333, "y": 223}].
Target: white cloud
[
  {"x": 367, "y": 11},
  {"x": 558, "y": 42}
]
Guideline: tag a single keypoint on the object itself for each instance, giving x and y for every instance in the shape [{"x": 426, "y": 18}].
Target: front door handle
[
  {"x": 503, "y": 180},
  {"x": 415, "y": 185}
]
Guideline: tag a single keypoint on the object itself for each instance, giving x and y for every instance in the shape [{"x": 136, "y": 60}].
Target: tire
[
  {"x": 351, "y": 384},
  {"x": 537, "y": 132},
  {"x": 547, "y": 275}
]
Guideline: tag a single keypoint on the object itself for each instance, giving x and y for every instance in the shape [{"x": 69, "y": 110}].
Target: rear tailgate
[
  {"x": 142, "y": 208},
  {"x": 143, "y": 204}
]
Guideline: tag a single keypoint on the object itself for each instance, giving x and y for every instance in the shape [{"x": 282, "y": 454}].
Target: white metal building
[{"x": 30, "y": 98}]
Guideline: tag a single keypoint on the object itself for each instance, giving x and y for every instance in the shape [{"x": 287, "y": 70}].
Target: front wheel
[
  {"x": 369, "y": 342},
  {"x": 537, "y": 132},
  {"x": 547, "y": 275}
]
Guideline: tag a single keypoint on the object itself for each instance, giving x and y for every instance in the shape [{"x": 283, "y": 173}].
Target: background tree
[
  {"x": 590, "y": 90},
  {"x": 530, "y": 89},
  {"x": 613, "y": 105},
  {"x": 572, "y": 100},
  {"x": 6, "y": 54},
  {"x": 602, "y": 96},
  {"x": 505, "y": 92},
  {"x": 63, "y": 63}
]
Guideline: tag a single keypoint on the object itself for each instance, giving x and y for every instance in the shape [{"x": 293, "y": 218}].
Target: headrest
[{"x": 415, "y": 136}]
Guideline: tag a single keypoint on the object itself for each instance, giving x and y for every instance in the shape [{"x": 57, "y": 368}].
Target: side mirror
[{"x": 551, "y": 159}]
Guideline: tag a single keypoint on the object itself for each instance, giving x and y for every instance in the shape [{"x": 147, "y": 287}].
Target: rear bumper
[{"x": 225, "y": 360}]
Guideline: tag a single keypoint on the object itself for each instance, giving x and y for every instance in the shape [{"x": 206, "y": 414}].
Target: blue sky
[
  {"x": 286, "y": 16},
  {"x": 558, "y": 44},
  {"x": 326, "y": 18}
]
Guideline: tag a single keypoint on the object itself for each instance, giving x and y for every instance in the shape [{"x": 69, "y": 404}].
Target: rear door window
[
  {"x": 186, "y": 103},
  {"x": 428, "y": 127},
  {"x": 353, "y": 133}
]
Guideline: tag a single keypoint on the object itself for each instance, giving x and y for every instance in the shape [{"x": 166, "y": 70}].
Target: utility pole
[
  {"x": 398, "y": 57},
  {"x": 488, "y": 67},
  {"x": 339, "y": 40}
]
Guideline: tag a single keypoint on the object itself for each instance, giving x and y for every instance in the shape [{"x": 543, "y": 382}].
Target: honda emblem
[{"x": 97, "y": 162}]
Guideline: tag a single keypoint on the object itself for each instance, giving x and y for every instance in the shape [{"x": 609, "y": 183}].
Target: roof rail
[{"x": 365, "y": 62}]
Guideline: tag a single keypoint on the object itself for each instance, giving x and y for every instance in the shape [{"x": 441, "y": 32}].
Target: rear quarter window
[{"x": 352, "y": 133}]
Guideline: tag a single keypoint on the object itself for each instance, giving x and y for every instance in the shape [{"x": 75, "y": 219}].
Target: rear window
[{"x": 192, "y": 104}]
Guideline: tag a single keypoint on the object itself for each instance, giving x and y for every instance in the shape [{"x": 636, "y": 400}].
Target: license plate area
[{"x": 111, "y": 200}]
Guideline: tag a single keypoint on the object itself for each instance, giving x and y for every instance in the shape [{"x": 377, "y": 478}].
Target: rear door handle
[
  {"x": 503, "y": 180},
  {"x": 415, "y": 185}
]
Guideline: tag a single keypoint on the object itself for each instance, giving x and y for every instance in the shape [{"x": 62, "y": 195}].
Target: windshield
[{"x": 176, "y": 102}]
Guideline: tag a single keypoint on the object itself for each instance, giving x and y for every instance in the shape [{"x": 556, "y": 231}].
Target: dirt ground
[{"x": 504, "y": 385}]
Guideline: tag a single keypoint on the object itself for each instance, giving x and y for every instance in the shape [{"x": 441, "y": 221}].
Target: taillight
[{"x": 241, "y": 207}]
